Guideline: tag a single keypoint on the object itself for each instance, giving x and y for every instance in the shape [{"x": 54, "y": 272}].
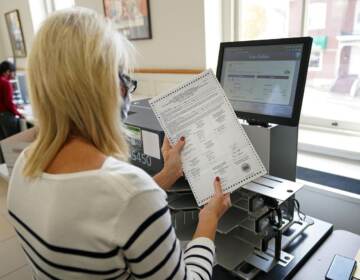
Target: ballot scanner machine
[
  {"x": 253, "y": 236},
  {"x": 264, "y": 235}
]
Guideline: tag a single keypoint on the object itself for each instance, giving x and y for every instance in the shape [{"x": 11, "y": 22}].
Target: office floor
[{"x": 13, "y": 265}]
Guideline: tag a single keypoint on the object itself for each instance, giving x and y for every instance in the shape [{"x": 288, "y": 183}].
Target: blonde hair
[{"x": 74, "y": 85}]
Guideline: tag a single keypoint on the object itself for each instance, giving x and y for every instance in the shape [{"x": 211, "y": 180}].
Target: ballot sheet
[{"x": 216, "y": 143}]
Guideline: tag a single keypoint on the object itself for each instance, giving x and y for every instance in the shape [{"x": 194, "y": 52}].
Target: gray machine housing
[
  {"x": 142, "y": 118},
  {"x": 277, "y": 147}
]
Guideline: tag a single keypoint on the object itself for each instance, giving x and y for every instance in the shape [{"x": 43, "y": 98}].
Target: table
[
  {"x": 27, "y": 113},
  {"x": 340, "y": 242}
]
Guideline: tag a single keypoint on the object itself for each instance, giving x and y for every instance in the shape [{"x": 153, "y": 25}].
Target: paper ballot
[{"x": 216, "y": 143}]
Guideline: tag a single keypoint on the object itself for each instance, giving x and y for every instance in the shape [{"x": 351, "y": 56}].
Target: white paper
[
  {"x": 151, "y": 144},
  {"x": 216, "y": 144}
]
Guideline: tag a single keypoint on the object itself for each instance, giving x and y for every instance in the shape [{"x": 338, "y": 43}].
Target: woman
[
  {"x": 80, "y": 210},
  {"x": 9, "y": 123}
]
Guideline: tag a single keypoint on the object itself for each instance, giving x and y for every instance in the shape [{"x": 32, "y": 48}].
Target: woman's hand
[
  {"x": 172, "y": 169},
  {"x": 210, "y": 215},
  {"x": 172, "y": 158},
  {"x": 218, "y": 204}
]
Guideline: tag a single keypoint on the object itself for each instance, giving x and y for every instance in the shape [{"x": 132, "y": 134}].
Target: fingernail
[
  {"x": 182, "y": 138},
  {"x": 217, "y": 178}
]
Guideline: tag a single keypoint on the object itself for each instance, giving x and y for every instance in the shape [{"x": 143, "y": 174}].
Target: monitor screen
[{"x": 264, "y": 80}]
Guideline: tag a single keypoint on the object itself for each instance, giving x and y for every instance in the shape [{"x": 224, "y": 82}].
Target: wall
[
  {"x": 177, "y": 26},
  {"x": 178, "y": 36},
  {"x": 2, "y": 47},
  {"x": 96, "y": 5},
  {"x": 178, "y": 32},
  {"x": 25, "y": 17},
  {"x": 150, "y": 85},
  {"x": 178, "y": 42}
]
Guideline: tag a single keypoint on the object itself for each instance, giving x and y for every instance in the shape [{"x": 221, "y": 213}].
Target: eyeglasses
[{"x": 129, "y": 84}]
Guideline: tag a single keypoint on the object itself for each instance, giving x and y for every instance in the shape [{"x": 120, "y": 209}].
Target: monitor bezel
[{"x": 299, "y": 92}]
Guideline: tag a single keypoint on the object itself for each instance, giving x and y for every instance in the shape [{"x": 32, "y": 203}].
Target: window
[
  {"x": 263, "y": 19},
  {"x": 212, "y": 31},
  {"x": 316, "y": 16},
  {"x": 38, "y": 12},
  {"x": 335, "y": 82},
  {"x": 63, "y": 4},
  {"x": 357, "y": 19},
  {"x": 315, "y": 63},
  {"x": 55, "y": 5},
  {"x": 39, "y": 9},
  {"x": 332, "y": 94}
]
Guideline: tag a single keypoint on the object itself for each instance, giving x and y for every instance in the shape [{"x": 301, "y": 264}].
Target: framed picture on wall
[
  {"x": 132, "y": 17},
  {"x": 17, "y": 41}
]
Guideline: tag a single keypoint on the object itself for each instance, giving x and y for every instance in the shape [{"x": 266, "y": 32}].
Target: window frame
[{"x": 50, "y": 5}]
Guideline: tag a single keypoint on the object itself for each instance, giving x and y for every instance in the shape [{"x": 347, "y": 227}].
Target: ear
[{"x": 123, "y": 90}]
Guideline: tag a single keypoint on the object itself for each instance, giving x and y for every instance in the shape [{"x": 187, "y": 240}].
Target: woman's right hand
[
  {"x": 210, "y": 215},
  {"x": 218, "y": 204}
]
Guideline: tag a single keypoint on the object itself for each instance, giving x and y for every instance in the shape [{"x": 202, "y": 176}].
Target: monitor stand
[
  {"x": 277, "y": 148},
  {"x": 257, "y": 123}
]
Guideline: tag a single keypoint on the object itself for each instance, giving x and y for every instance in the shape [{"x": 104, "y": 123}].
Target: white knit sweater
[{"x": 110, "y": 223}]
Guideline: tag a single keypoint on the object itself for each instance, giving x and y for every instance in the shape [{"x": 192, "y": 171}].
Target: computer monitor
[{"x": 265, "y": 80}]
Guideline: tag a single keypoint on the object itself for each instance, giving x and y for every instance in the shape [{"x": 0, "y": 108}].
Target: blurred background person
[{"x": 9, "y": 121}]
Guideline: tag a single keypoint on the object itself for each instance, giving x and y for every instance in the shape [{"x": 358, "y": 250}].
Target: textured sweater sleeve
[
  {"x": 8, "y": 99},
  {"x": 150, "y": 245}
]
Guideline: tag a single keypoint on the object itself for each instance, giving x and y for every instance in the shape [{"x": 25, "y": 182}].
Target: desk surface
[
  {"x": 27, "y": 112},
  {"x": 340, "y": 242}
]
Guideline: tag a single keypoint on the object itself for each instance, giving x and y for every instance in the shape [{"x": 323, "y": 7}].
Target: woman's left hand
[{"x": 172, "y": 169}]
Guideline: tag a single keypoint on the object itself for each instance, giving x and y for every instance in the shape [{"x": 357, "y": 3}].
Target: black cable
[{"x": 299, "y": 212}]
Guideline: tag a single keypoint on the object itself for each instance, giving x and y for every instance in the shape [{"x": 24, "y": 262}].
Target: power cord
[{"x": 301, "y": 215}]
